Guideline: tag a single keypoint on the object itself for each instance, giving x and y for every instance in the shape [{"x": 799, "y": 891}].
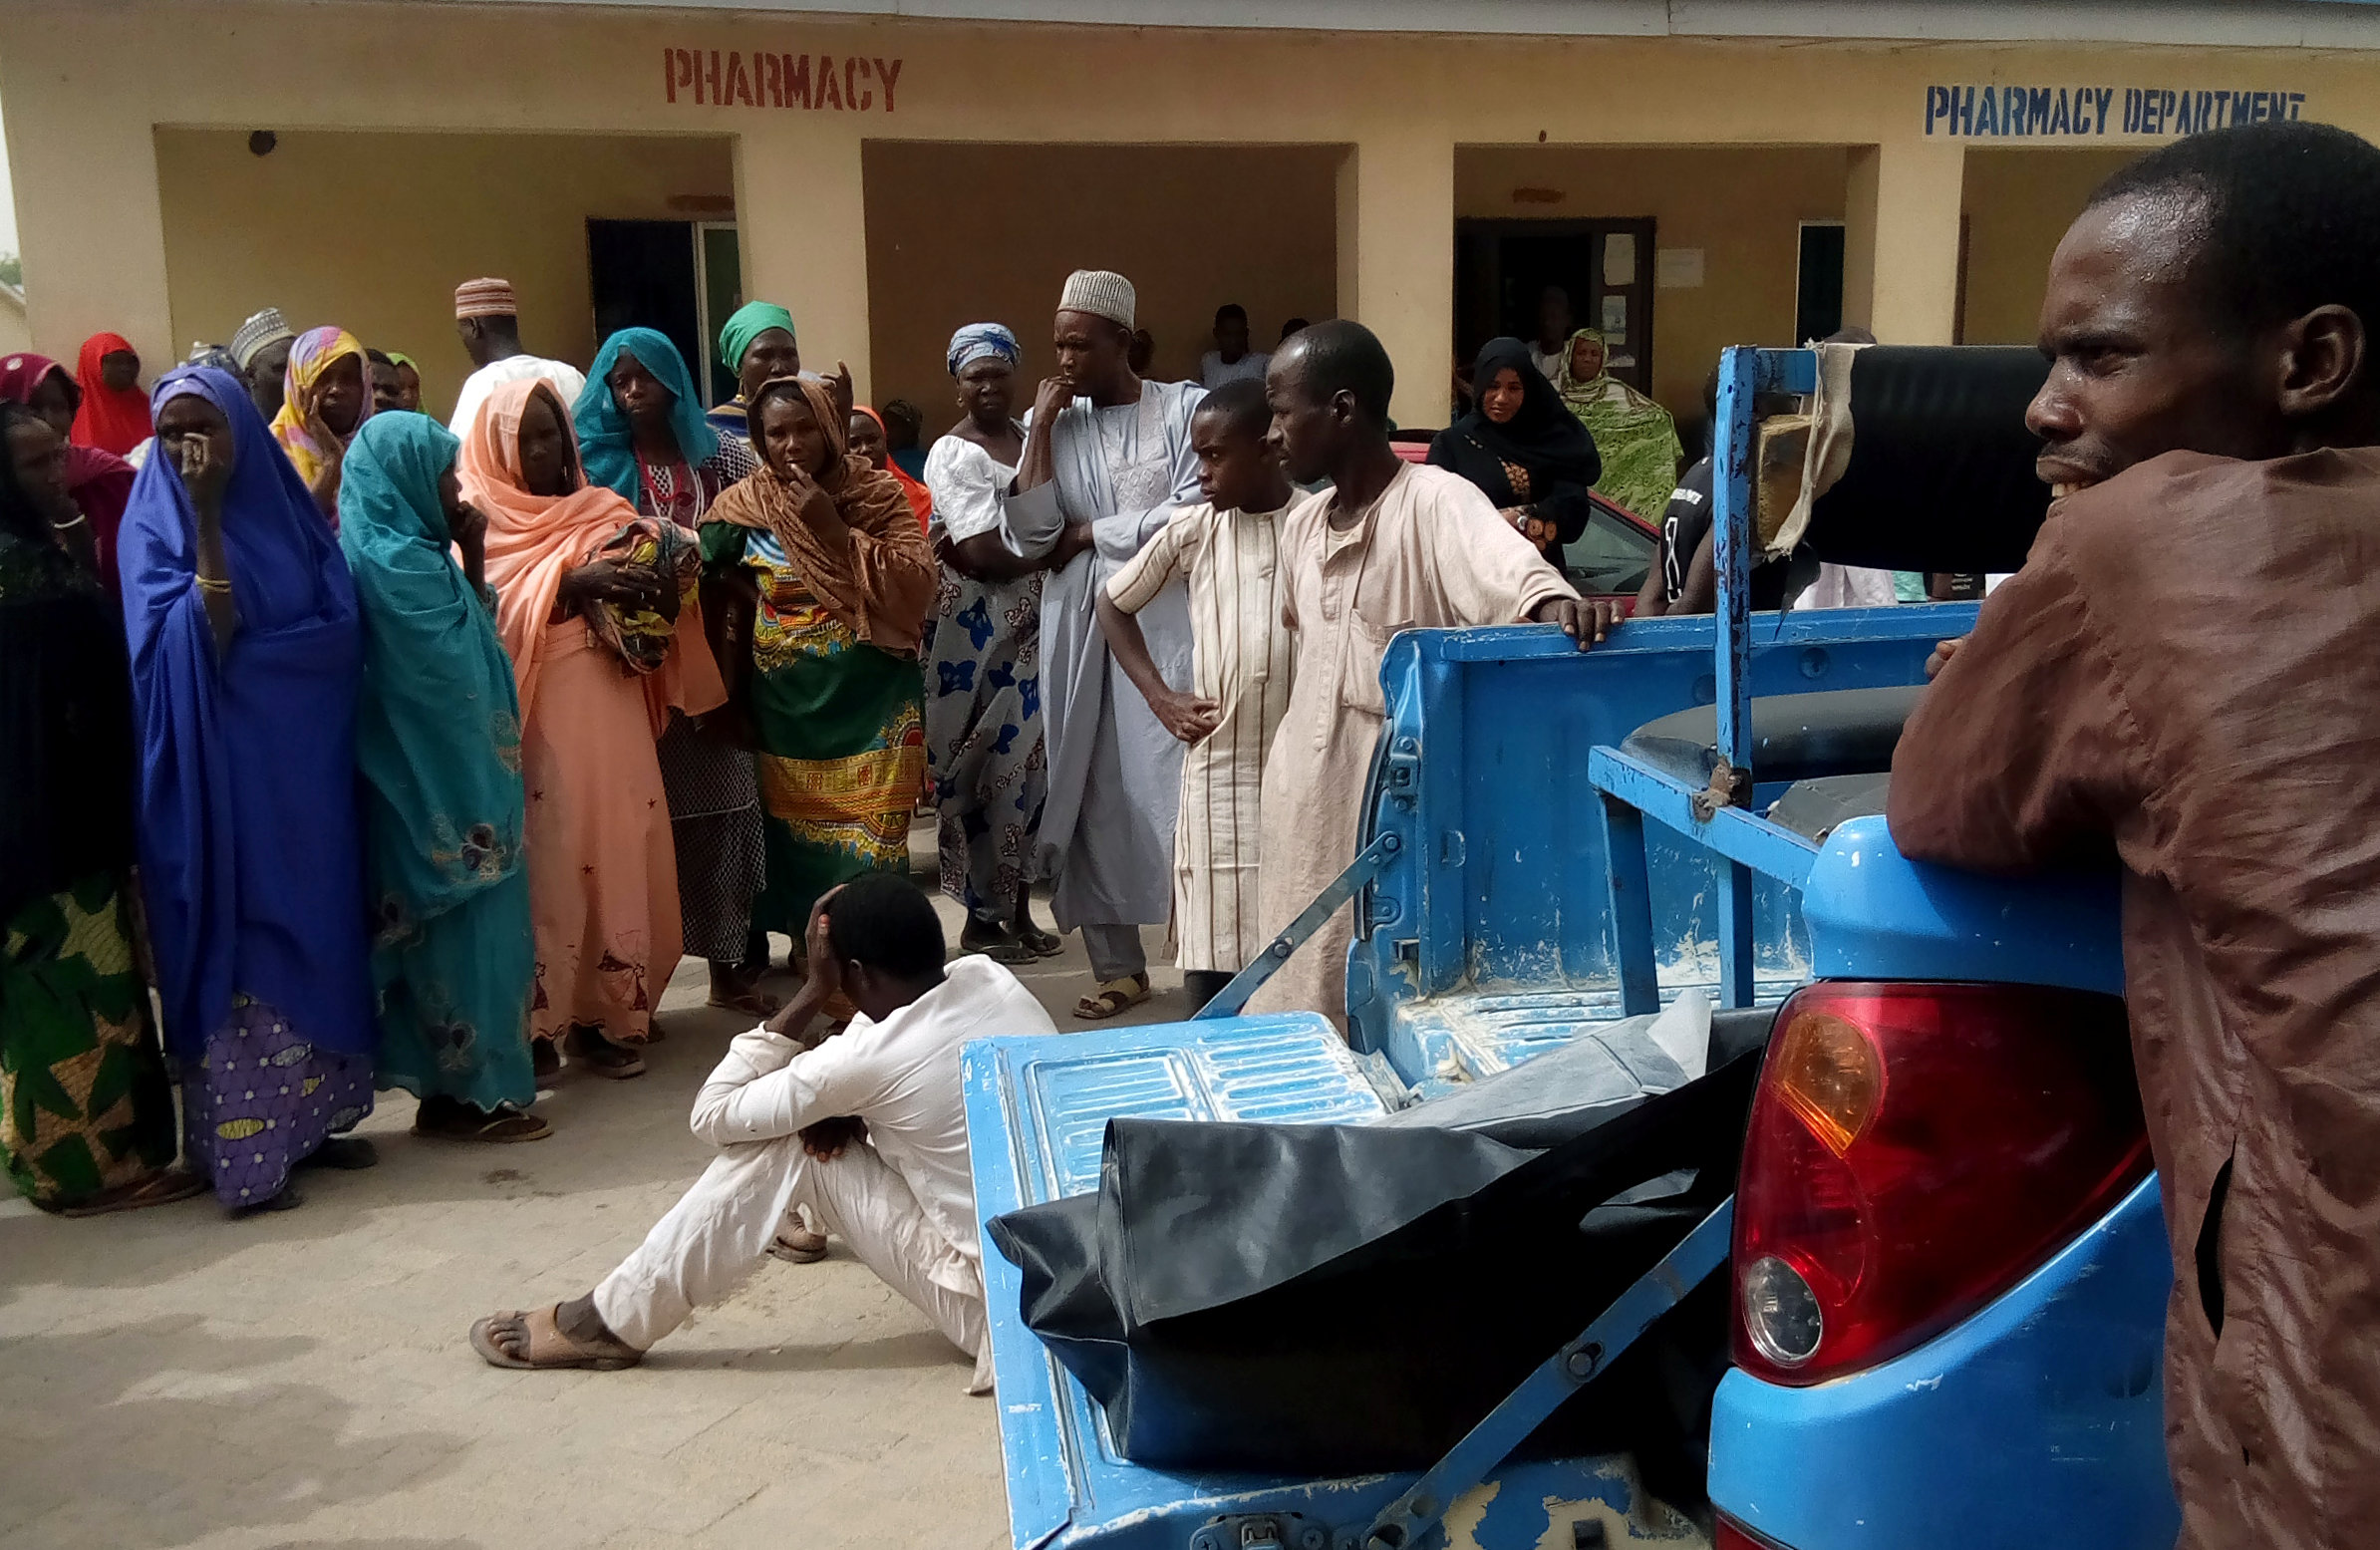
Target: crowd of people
[{"x": 401, "y": 756}]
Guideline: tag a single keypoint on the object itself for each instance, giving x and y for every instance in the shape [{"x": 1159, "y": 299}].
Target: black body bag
[{"x": 1342, "y": 1298}]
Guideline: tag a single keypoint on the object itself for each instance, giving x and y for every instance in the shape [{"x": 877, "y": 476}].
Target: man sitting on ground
[
  {"x": 864, "y": 1126},
  {"x": 2187, "y": 673}
]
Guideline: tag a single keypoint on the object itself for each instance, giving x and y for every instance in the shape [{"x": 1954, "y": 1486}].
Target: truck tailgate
[{"x": 1037, "y": 1111}]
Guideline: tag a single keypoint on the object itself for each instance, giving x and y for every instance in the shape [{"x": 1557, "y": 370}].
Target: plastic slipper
[
  {"x": 504, "y": 1125},
  {"x": 158, "y": 1189}
]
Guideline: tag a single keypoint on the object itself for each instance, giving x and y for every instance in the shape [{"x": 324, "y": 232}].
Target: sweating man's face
[
  {"x": 1306, "y": 432},
  {"x": 2138, "y": 364}
]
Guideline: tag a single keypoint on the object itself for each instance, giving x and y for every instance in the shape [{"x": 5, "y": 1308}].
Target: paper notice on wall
[
  {"x": 1619, "y": 258},
  {"x": 1677, "y": 268},
  {"x": 1615, "y": 317}
]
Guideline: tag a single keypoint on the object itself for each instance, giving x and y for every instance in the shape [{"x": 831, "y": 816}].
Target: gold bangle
[{"x": 214, "y": 583}]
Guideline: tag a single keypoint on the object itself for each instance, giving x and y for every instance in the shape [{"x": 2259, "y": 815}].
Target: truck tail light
[
  {"x": 1730, "y": 1535},
  {"x": 1915, "y": 1149}
]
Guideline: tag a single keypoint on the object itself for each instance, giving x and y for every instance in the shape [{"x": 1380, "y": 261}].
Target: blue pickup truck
[{"x": 1944, "y": 1259}]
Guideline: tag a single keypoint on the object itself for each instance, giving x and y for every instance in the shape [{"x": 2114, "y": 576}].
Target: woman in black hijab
[{"x": 1523, "y": 447}]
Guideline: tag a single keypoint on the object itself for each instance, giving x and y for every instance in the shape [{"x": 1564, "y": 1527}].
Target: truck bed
[{"x": 1037, "y": 1110}]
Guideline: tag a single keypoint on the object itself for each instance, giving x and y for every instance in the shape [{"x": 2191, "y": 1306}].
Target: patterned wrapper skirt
[
  {"x": 842, "y": 753},
  {"x": 984, "y": 738},
  {"x": 262, "y": 1098},
  {"x": 85, "y": 1103}
]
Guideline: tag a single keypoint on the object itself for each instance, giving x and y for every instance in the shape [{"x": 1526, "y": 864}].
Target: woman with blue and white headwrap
[{"x": 983, "y": 690}]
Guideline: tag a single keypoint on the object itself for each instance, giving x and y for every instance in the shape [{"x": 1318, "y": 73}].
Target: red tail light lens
[
  {"x": 1916, "y": 1151},
  {"x": 1731, "y": 1535}
]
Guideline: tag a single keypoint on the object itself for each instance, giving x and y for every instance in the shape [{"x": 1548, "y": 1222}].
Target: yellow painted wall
[
  {"x": 1742, "y": 208},
  {"x": 961, "y": 233},
  {"x": 87, "y": 83},
  {"x": 373, "y": 232},
  {"x": 2019, "y": 204}
]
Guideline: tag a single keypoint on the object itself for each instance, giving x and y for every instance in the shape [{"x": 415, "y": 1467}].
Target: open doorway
[
  {"x": 680, "y": 278},
  {"x": 1502, "y": 269}
]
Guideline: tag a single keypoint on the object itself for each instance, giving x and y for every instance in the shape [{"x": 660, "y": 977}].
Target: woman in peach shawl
[
  {"x": 831, "y": 683},
  {"x": 597, "y": 610}
]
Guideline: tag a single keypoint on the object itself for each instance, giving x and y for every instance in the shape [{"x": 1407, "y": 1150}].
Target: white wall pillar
[
  {"x": 1396, "y": 261},
  {"x": 801, "y": 214},
  {"x": 1900, "y": 240}
]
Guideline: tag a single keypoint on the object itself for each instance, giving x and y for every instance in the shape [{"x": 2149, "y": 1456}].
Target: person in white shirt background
[
  {"x": 864, "y": 1126},
  {"x": 488, "y": 320},
  {"x": 1230, "y": 359}
]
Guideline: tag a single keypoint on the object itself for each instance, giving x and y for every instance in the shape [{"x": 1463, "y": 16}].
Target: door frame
[{"x": 1499, "y": 227}]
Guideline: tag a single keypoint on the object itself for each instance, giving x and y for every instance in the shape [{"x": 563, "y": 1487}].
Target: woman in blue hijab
[
  {"x": 438, "y": 740},
  {"x": 642, "y": 431},
  {"x": 247, "y": 652}
]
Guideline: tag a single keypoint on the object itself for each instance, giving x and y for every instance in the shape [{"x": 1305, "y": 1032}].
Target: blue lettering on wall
[{"x": 2028, "y": 112}]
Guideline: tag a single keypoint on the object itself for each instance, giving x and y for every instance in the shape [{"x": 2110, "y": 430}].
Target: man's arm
[
  {"x": 2024, "y": 753},
  {"x": 787, "y": 1073},
  {"x": 1132, "y": 589}
]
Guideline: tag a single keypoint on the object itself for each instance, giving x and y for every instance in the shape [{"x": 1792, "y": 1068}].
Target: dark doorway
[
  {"x": 1503, "y": 267},
  {"x": 643, "y": 274},
  {"x": 1817, "y": 293}
]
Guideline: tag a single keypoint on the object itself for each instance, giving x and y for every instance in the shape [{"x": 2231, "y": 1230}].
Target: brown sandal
[
  {"x": 549, "y": 1348},
  {"x": 1112, "y": 998},
  {"x": 614, "y": 1061},
  {"x": 161, "y": 1189},
  {"x": 453, "y": 1120}
]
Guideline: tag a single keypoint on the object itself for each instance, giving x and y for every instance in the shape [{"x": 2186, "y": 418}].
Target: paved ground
[{"x": 302, "y": 1380}]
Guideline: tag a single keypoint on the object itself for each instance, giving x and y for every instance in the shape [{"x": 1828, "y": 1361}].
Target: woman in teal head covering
[
  {"x": 438, "y": 740},
  {"x": 641, "y": 430}
]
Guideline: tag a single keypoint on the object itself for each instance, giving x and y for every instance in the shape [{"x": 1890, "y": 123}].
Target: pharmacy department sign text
[{"x": 2088, "y": 112}]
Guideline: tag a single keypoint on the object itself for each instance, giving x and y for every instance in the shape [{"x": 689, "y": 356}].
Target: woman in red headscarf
[
  {"x": 100, "y": 482},
  {"x": 113, "y": 414}
]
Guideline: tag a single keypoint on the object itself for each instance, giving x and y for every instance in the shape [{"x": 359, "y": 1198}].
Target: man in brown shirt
[{"x": 2187, "y": 672}]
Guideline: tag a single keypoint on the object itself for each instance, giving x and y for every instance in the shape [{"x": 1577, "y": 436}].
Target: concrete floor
[{"x": 303, "y": 1379}]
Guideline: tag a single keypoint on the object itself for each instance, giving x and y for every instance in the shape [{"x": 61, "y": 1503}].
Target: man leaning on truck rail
[{"x": 2187, "y": 672}]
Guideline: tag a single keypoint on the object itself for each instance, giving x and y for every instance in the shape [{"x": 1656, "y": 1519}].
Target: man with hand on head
[
  {"x": 2187, "y": 673},
  {"x": 488, "y": 320},
  {"x": 1107, "y": 459},
  {"x": 1228, "y": 547},
  {"x": 1391, "y": 547},
  {"x": 863, "y": 1125}
]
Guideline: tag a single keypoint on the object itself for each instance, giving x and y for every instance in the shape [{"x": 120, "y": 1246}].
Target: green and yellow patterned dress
[
  {"x": 86, "y": 1111},
  {"x": 840, "y": 731}
]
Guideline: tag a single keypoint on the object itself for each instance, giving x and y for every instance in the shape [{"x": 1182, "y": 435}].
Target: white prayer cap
[{"x": 1100, "y": 292}]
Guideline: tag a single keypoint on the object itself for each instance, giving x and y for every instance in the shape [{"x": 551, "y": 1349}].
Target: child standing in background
[{"x": 1229, "y": 548}]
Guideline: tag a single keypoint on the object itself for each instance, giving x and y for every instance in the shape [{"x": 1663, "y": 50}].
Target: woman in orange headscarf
[
  {"x": 845, "y": 581},
  {"x": 596, "y": 608},
  {"x": 113, "y": 414}
]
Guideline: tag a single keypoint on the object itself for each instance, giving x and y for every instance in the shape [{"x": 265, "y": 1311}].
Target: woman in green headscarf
[
  {"x": 438, "y": 740},
  {"x": 1635, "y": 436}
]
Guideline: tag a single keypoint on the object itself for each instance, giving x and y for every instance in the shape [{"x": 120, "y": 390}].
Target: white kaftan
[
  {"x": 569, "y": 381},
  {"x": 1106, "y": 837},
  {"x": 1239, "y": 659},
  {"x": 1430, "y": 553},
  {"x": 903, "y": 1199}
]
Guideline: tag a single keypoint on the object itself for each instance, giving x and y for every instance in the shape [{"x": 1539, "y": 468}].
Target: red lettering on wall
[{"x": 766, "y": 80}]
